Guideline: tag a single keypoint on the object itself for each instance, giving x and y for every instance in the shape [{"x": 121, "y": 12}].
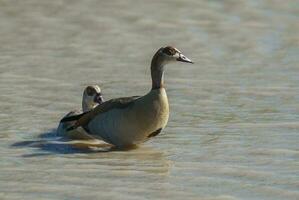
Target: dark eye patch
[
  {"x": 169, "y": 51},
  {"x": 90, "y": 91}
]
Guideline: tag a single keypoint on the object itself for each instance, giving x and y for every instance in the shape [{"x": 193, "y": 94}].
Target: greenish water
[{"x": 234, "y": 122}]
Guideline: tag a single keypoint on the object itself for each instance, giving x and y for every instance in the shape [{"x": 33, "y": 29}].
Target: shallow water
[{"x": 233, "y": 129}]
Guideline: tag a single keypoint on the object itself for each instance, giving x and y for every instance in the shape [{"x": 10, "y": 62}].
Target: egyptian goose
[
  {"x": 92, "y": 97},
  {"x": 131, "y": 120}
]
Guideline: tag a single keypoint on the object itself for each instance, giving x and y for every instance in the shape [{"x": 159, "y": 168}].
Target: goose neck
[
  {"x": 87, "y": 106},
  {"x": 157, "y": 73}
]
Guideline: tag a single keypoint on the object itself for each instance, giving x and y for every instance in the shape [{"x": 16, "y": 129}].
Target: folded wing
[{"x": 84, "y": 118}]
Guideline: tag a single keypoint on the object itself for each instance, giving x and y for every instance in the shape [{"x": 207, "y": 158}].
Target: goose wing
[{"x": 84, "y": 118}]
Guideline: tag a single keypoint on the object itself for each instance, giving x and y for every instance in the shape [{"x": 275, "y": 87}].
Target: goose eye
[
  {"x": 90, "y": 91},
  {"x": 169, "y": 51}
]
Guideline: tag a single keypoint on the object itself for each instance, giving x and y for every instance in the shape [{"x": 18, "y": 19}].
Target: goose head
[
  {"x": 92, "y": 97},
  {"x": 163, "y": 56},
  {"x": 170, "y": 54}
]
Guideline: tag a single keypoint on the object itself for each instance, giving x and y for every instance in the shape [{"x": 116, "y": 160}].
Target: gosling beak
[
  {"x": 99, "y": 98},
  {"x": 183, "y": 58}
]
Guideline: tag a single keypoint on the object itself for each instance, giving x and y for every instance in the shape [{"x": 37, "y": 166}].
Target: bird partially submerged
[
  {"x": 91, "y": 98},
  {"x": 132, "y": 120}
]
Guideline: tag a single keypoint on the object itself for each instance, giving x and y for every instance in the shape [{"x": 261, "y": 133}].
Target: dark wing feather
[
  {"x": 85, "y": 118},
  {"x": 72, "y": 117}
]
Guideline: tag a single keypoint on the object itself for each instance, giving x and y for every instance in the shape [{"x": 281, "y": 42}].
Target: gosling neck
[
  {"x": 157, "y": 72},
  {"x": 87, "y": 106}
]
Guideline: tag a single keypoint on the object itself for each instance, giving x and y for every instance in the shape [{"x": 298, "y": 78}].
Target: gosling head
[
  {"x": 170, "y": 54},
  {"x": 92, "y": 97}
]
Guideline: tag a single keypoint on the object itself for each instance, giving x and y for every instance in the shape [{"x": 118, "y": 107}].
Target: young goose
[
  {"x": 92, "y": 97},
  {"x": 132, "y": 120}
]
